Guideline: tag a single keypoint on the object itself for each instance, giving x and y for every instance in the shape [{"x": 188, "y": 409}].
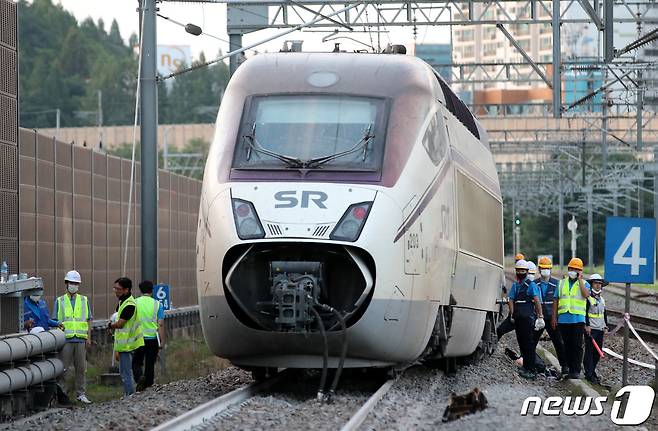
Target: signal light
[
  {"x": 247, "y": 223},
  {"x": 351, "y": 223},
  {"x": 243, "y": 210},
  {"x": 359, "y": 213}
]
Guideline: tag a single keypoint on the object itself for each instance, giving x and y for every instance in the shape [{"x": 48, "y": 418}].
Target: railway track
[{"x": 211, "y": 414}]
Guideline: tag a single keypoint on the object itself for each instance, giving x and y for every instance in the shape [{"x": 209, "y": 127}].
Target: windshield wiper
[
  {"x": 254, "y": 145},
  {"x": 361, "y": 145}
]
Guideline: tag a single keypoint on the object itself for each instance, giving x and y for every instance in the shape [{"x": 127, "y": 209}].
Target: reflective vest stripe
[
  {"x": 75, "y": 318},
  {"x": 571, "y": 300},
  {"x": 129, "y": 337}
]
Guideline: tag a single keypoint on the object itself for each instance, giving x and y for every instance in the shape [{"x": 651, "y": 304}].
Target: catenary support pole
[
  {"x": 627, "y": 307},
  {"x": 604, "y": 133},
  {"x": 235, "y": 43},
  {"x": 557, "y": 62},
  {"x": 149, "y": 143},
  {"x": 561, "y": 228},
  {"x": 608, "y": 30},
  {"x": 590, "y": 233}
]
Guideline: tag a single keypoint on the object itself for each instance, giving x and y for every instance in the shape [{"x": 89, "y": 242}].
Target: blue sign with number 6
[
  {"x": 161, "y": 294},
  {"x": 629, "y": 250}
]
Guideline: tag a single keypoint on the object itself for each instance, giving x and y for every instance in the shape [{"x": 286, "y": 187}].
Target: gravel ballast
[
  {"x": 292, "y": 404},
  {"x": 140, "y": 411},
  {"x": 418, "y": 399}
]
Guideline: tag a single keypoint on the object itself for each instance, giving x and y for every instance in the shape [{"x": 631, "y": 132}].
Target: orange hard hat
[
  {"x": 545, "y": 263},
  {"x": 519, "y": 256},
  {"x": 576, "y": 263}
]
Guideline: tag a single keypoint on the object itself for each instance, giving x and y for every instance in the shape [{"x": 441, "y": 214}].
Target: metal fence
[
  {"x": 8, "y": 133},
  {"x": 73, "y": 214}
]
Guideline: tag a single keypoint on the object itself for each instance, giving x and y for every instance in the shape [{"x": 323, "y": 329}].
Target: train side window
[{"x": 435, "y": 140}]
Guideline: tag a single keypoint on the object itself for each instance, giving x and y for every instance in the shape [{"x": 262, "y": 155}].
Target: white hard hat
[
  {"x": 597, "y": 277},
  {"x": 73, "y": 276},
  {"x": 532, "y": 268},
  {"x": 521, "y": 264}
]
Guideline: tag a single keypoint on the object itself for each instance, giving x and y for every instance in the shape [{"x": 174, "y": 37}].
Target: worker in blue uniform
[
  {"x": 547, "y": 285},
  {"x": 527, "y": 316},
  {"x": 36, "y": 313}
]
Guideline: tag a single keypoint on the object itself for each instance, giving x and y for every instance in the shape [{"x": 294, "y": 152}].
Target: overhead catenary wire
[
  {"x": 248, "y": 47},
  {"x": 183, "y": 25},
  {"x": 132, "y": 159}
]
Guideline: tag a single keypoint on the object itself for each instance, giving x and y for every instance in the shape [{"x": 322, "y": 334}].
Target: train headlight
[
  {"x": 247, "y": 223},
  {"x": 351, "y": 224}
]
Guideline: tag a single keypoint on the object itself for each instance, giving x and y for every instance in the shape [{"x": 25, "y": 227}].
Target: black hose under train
[
  {"x": 325, "y": 355},
  {"x": 343, "y": 353}
]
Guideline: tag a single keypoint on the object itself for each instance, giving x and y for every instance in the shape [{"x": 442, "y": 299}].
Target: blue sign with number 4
[
  {"x": 629, "y": 250},
  {"x": 161, "y": 294}
]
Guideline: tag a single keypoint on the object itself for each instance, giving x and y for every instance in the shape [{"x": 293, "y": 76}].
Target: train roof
[{"x": 379, "y": 75}]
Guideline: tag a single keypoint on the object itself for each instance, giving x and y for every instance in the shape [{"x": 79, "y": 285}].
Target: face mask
[
  {"x": 596, "y": 292},
  {"x": 572, "y": 274},
  {"x": 72, "y": 288},
  {"x": 545, "y": 273},
  {"x": 521, "y": 275},
  {"x": 531, "y": 277},
  {"x": 35, "y": 298}
]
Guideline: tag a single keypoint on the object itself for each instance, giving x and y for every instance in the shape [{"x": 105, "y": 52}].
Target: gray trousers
[{"x": 76, "y": 354}]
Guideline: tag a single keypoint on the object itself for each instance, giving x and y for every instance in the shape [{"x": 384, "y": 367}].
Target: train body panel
[{"x": 380, "y": 224}]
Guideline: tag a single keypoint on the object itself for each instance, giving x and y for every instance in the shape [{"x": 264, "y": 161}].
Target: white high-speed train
[{"x": 352, "y": 187}]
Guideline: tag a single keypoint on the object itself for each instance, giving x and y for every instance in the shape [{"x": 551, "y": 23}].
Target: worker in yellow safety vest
[
  {"x": 73, "y": 312},
  {"x": 569, "y": 314},
  {"x": 596, "y": 324},
  {"x": 127, "y": 331},
  {"x": 151, "y": 317}
]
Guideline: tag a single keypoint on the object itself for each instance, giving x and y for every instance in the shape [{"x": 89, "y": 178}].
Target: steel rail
[
  {"x": 209, "y": 410},
  {"x": 360, "y": 416},
  {"x": 634, "y": 318}
]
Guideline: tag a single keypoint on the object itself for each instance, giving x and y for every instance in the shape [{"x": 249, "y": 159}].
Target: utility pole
[{"x": 149, "y": 142}]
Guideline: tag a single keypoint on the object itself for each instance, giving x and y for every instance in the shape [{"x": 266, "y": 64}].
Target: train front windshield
[{"x": 324, "y": 132}]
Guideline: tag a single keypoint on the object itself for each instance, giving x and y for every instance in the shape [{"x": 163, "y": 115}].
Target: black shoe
[
  {"x": 511, "y": 354},
  {"x": 565, "y": 371},
  {"x": 574, "y": 376}
]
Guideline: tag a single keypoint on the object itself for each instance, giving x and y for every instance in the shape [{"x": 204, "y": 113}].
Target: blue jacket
[{"x": 38, "y": 312}]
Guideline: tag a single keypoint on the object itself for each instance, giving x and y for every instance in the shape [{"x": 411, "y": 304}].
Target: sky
[{"x": 212, "y": 18}]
